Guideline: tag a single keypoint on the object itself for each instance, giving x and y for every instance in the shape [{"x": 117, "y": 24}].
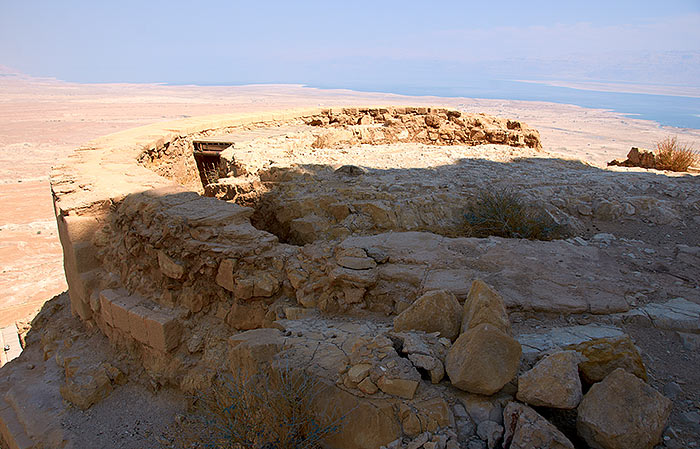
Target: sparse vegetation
[
  {"x": 505, "y": 213},
  {"x": 260, "y": 412},
  {"x": 675, "y": 156}
]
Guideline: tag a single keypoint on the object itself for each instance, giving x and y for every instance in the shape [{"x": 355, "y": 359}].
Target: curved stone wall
[
  {"x": 139, "y": 243},
  {"x": 173, "y": 276}
]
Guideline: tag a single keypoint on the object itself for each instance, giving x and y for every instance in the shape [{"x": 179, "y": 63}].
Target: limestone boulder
[
  {"x": 365, "y": 424},
  {"x": 605, "y": 355},
  {"x": 435, "y": 311},
  {"x": 526, "y": 429},
  {"x": 482, "y": 360},
  {"x": 622, "y": 412},
  {"x": 404, "y": 388},
  {"x": 85, "y": 387},
  {"x": 552, "y": 382},
  {"x": 435, "y": 413},
  {"x": 484, "y": 306}
]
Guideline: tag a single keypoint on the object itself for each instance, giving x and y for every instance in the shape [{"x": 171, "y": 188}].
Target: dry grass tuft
[
  {"x": 504, "y": 213},
  {"x": 675, "y": 156},
  {"x": 260, "y": 412}
]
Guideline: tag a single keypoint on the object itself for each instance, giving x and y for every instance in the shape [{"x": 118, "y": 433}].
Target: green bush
[
  {"x": 260, "y": 412},
  {"x": 504, "y": 213}
]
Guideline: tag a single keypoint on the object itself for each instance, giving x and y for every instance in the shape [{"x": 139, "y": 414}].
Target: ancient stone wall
[
  {"x": 192, "y": 285},
  {"x": 171, "y": 251},
  {"x": 151, "y": 263}
]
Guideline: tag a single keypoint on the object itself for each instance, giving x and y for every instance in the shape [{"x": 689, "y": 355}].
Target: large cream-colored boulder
[
  {"x": 435, "y": 311},
  {"x": 483, "y": 360},
  {"x": 552, "y": 382},
  {"x": 484, "y": 306},
  {"x": 526, "y": 429},
  {"x": 622, "y": 412}
]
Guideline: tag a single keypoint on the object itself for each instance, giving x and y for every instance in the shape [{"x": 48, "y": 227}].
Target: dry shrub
[
  {"x": 675, "y": 156},
  {"x": 504, "y": 213},
  {"x": 260, "y": 412}
]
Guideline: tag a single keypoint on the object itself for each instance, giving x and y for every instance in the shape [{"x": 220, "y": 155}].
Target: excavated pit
[{"x": 356, "y": 173}]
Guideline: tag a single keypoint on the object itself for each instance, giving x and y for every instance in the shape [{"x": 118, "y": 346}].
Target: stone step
[
  {"x": 11, "y": 430},
  {"x": 10, "y": 347}
]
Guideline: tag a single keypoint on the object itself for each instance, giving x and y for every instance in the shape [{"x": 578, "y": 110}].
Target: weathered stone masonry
[
  {"x": 371, "y": 292},
  {"x": 140, "y": 250},
  {"x": 153, "y": 264}
]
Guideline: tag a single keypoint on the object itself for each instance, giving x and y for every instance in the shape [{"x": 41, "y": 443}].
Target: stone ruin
[{"x": 197, "y": 254}]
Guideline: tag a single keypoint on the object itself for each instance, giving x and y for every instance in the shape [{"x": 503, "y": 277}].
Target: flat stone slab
[
  {"x": 677, "y": 314},
  {"x": 560, "y": 337}
]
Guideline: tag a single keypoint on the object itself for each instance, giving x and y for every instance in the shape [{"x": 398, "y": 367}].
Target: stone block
[
  {"x": 605, "y": 355},
  {"x": 403, "y": 388},
  {"x": 81, "y": 307},
  {"x": 95, "y": 302},
  {"x": 246, "y": 316},
  {"x": 438, "y": 410},
  {"x": 525, "y": 429},
  {"x": 252, "y": 351},
  {"x": 120, "y": 312},
  {"x": 86, "y": 388},
  {"x": 85, "y": 256},
  {"x": 553, "y": 382},
  {"x": 244, "y": 288},
  {"x": 11, "y": 430},
  {"x": 107, "y": 298},
  {"x": 367, "y": 386},
  {"x": 137, "y": 323},
  {"x": 358, "y": 372},
  {"x": 265, "y": 285},
  {"x": 79, "y": 227},
  {"x": 224, "y": 276},
  {"x": 163, "y": 330}
]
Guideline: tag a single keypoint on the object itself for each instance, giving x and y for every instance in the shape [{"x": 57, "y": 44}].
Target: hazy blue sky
[{"x": 357, "y": 43}]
